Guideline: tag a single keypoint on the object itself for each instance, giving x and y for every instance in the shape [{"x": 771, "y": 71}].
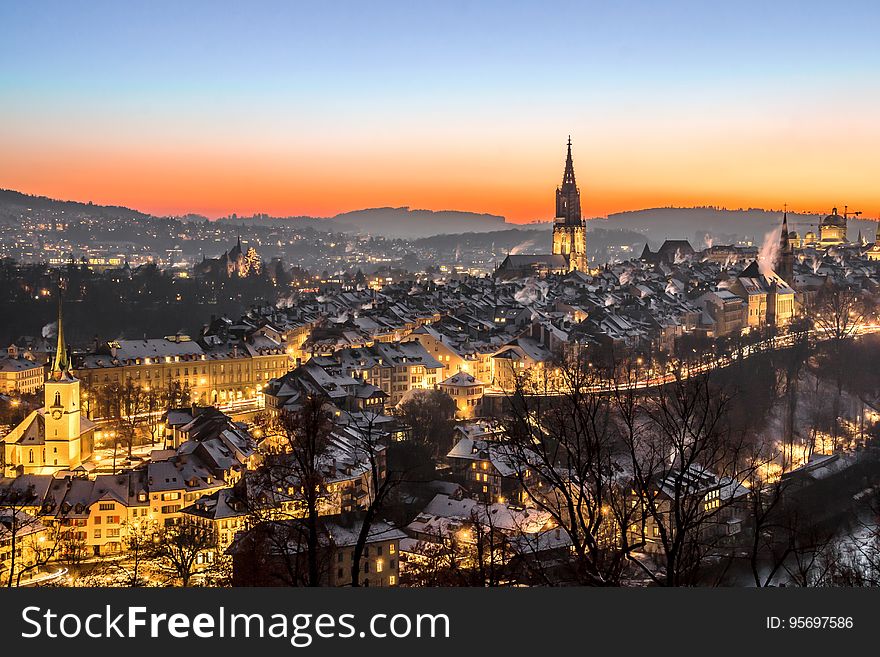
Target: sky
[{"x": 317, "y": 108}]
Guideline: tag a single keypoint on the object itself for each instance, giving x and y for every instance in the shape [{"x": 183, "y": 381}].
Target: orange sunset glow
[{"x": 733, "y": 120}]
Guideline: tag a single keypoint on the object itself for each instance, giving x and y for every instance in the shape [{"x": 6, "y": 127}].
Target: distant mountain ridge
[
  {"x": 11, "y": 200},
  {"x": 700, "y": 225},
  {"x": 704, "y": 225},
  {"x": 411, "y": 224}
]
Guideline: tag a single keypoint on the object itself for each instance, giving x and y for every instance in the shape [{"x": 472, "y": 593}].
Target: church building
[
  {"x": 832, "y": 230},
  {"x": 570, "y": 230},
  {"x": 56, "y": 437},
  {"x": 569, "y": 235}
]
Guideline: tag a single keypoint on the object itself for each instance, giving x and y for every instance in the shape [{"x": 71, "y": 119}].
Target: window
[
  {"x": 97, "y": 533},
  {"x": 379, "y": 565},
  {"x": 392, "y": 548},
  {"x": 379, "y": 551},
  {"x": 392, "y": 580},
  {"x": 106, "y": 506}
]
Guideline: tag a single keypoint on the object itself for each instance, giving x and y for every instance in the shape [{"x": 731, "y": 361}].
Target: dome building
[{"x": 832, "y": 230}]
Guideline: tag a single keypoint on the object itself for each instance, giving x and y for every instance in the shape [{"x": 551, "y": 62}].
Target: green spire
[{"x": 61, "y": 362}]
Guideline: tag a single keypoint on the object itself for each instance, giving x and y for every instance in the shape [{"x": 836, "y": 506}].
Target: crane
[{"x": 846, "y": 212}]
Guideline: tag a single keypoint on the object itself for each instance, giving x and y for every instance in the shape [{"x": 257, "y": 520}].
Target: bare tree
[
  {"x": 369, "y": 446},
  {"x": 565, "y": 448},
  {"x": 769, "y": 545},
  {"x": 290, "y": 486},
  {"x": 140, "y": 548},
  {"x": 838, "y": 314},
  {"x": 178, "y": 547},
  {"x": 811, "y": 551},
  {"x": 430, "y": 415},
  {"x": 792, "y": 362},
  {"x": 155, "y": 402},
  {"x": 23, "y": 532},
  {"x": 132, "y": 411},
  {"x": 435, "y": 563},
  {"x": 491, "y": 555},
  {"x": 687, "y": 469}
]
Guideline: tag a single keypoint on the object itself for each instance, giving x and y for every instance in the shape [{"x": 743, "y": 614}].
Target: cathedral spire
[
  {"x": 568, "y": 182},
  {"x": 783, "y": 238},
  {"x": 61, "y": 362},
  {"x": 569, "y": 230},
  {"x": 568, "y": 197},
  {"x": 785, "y": 260}
]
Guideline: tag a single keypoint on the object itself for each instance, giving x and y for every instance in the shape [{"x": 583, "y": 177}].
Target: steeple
[
  {"x": 568, "y": 196},
  {"x": 568, "y": 177},
  {"x": 784, "y": 265},
  {"x": 783, "y": 238},
  {"x": 61, "y": 362},
  {"x": 569, "y": 231}
]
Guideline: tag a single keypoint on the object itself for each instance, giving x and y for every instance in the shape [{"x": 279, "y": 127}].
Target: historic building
[
  {"x": 213, "y": 371},
  {"x": 832, "y": 230},
  {"x": 236, "y": 262},
  {"x": 785, "y": 261},
  {"x": 570, "y": 230},
  {"x": 569, "y": 235},
  {"x": 20, "y": 373},
  {"x": 873, "y": 252},
  {"x": 57, "y": 436},
  {"x": 466, "y": 391},
  {"x": 769, "y": 299}
]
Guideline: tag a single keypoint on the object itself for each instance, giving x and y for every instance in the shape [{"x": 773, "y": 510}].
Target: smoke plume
[{"x": 769, "y": 252}]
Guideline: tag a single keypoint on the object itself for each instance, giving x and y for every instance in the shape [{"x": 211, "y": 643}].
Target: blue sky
[{"x": 390, "y": 80}]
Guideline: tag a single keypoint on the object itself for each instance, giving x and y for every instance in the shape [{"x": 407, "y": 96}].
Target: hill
[{"x": 412, "y": 224}]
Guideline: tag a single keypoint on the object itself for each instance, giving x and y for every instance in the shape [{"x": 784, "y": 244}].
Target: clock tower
[
  {"x": 55, "y": 437},
  {"x": 62, "y": 416}
]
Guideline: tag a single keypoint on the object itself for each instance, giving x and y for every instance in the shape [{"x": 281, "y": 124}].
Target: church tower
[
  {"x": 62, "y": 409},
  {"x": 570, "y": 230},
  {"x": 785, "y": 264}
]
